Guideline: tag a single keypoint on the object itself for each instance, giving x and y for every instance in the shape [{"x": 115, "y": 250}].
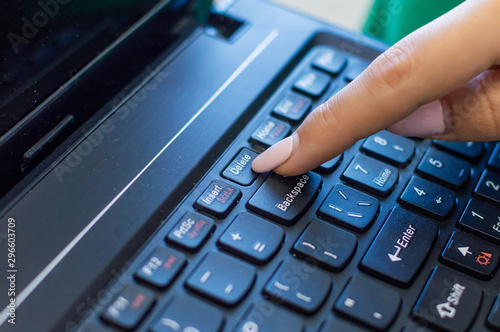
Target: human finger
[{"x": 424, "y": 66}]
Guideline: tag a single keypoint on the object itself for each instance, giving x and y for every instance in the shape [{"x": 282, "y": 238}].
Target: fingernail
[
  {"x": 426, "y": 120},
  {"x": 274, "y": 156}
]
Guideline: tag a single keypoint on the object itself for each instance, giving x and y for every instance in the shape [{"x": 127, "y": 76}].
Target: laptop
[{"x": 128, "y": 202}]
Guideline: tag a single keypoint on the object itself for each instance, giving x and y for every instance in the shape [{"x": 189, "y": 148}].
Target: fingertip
[{"x": 274, "y": 156}]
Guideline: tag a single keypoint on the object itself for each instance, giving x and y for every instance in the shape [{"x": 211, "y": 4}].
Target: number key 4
[{"x": 428, "y": 198}]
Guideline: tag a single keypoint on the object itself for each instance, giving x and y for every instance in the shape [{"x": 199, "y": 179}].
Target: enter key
[{"x": 400, "y": 248}]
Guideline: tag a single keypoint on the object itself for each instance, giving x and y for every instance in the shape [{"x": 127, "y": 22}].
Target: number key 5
[{"x": 444, "y": 168}]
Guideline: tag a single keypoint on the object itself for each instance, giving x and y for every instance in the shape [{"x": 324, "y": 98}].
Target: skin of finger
[
  {"x": 426, "y": 65},
  {"x": 472, "y": 112}
]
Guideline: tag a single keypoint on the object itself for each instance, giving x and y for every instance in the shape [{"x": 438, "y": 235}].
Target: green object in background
[
  {"x": 202, "y": 10},
  {"x": 391, "y": 20}
]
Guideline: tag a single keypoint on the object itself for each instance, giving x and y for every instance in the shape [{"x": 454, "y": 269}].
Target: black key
[
  {"x": 293, "y": 107},
  {"x": 329, "y": 60},
  {"x": 328, "y": 246},
  {"x": 334, "y": 324},
  {"x": 299, "y": 285},
  {"x": 471, "y": 255},
  {"x": 240, "y": 170},
  {"x": 129, "y": 307},
  {"x": 265, "y": 316},
  {"x": 483, "y": 219},
  {"x": 186, "y": 314},
  {"x": 401, "y": 247},
  {"x": 468, "y": 150},
  {"x": 488, "y": 187},
  {"x": 222, "y": 279},
  {"x": 354, "y": 69},
  {"x": 161, "y": 267},
  {"x": 252, "y": 238},
  {"x": 428, "y": 198},
  {"x": 494, "y": 316},
  {"x": 350, "y": 208},
  {"x": 494, "y": 161},
  {"x": 285, "y": 199},
  {"x": 329, "y": 166},
  {"x": 371, "y": 175},
  {"x": 312, "y": 82},
  {"x": 218, "y": 199},
  {"x": 369, "y": 302},
  {"x": 191, "y": 231},
  {"x": 390, "y": 148},
  {"x": 269, "y": 132},
  {"x": 449, "y": 301},
  {"x": 444, "y": 168}
]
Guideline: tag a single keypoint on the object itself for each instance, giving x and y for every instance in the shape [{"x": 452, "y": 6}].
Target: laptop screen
[
  {"x": 44, "y": 42},
  {"x": 46, "y": 47}
]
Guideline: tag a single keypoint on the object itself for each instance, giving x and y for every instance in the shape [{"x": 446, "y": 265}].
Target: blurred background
[
  {"x": 350, "y": 14},
  {"x": 387, "y": 20}
]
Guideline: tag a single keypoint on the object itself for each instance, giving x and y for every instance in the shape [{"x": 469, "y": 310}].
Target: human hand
[{"x": 441, "y": 82}]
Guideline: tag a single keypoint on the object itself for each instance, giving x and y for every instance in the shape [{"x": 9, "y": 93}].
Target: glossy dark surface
[{"x": 148, "y": 210}]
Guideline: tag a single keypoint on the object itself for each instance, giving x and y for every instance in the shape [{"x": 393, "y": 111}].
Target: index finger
[{"x": 422, "y": 67}]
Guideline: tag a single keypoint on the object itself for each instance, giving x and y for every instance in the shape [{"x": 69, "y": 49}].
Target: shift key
[{"x": 285, "y": 199}]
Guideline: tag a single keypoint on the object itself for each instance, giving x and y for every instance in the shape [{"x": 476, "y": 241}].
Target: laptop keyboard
[{"x": 384, "y": 237}]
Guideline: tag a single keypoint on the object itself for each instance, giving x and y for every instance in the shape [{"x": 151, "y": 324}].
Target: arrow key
[
  {"x": 471, "y": 255},
  {"x": 400, "y": 248}
]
